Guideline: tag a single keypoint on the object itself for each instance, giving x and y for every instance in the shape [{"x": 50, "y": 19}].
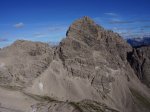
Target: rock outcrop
[
  {"x": 23, "y": 61},
  {"x": 87, "y": 72},
  {"x": 140, "y": 62}
]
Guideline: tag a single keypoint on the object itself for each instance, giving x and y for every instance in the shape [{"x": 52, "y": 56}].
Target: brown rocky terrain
[{"x": 87, "y": 72}]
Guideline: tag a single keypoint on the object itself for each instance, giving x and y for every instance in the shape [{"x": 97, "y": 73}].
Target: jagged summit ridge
[
  {"x": 85, "y": 32},
  {"x": 83, "y": 26},
  {"x": 85, "y": 29}
]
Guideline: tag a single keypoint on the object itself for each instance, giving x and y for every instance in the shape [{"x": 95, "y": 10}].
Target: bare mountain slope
[
  {"x": 87, "y": 72},
  {"x": 23, "y": 61}
]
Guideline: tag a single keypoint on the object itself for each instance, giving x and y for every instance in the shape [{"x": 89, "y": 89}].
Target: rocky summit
[{"x": 91, "y": 70}]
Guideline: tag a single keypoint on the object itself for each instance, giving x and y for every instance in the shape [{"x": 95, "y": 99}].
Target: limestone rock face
[
  {"x": 87, "y": 72},
  {"x": 100, "y": 56},
  {"x": 88, "y": 41},
  {"x": 140, "y": 62},
  {"x": 23, "y": 61}
]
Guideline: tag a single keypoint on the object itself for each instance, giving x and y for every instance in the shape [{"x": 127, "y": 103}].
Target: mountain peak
[
  {"x": 86, "y": 31},
  {"x": 86, "y": 19},
  {"x": 83, "y": 26}
]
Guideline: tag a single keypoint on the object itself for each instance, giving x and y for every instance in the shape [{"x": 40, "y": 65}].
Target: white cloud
[
  {"x": 19, "y": 25},
  {"x": 111, "y": 14},
  {"x": 38, "y": 35},
  {"x": 3, "y": 40}
]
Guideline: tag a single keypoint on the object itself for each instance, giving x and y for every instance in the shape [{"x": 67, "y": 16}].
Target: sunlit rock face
[
  {"x": 24, "y": 61},
  {"x": 87, "y": 72}
]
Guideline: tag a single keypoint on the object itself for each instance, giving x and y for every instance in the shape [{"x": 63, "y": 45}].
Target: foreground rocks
[{"x": 87, "y": 72}]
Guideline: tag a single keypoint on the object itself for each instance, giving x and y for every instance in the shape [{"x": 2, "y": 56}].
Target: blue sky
[{"x": 48, "y": 20}]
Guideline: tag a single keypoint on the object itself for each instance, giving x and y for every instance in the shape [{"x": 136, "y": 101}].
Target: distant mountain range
[{"x": 136, "y": 42}]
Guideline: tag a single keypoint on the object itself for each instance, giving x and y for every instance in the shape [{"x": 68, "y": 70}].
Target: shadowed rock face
[
  {"x": 140, "y": 62},
  {"x": 87, "y": 72}
]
